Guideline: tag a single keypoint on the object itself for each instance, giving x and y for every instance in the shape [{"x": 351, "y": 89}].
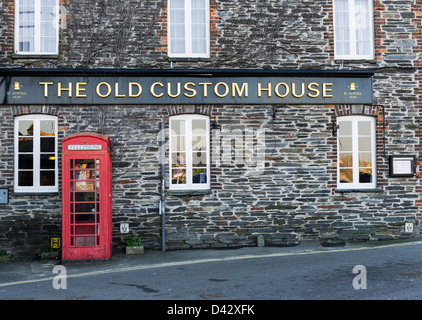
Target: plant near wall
[
  {"x": 133, "y": 241},
  {"x": 134, "y": 245}
]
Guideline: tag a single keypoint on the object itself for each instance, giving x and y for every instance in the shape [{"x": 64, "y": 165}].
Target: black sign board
[{"x": 184, "y": 88}]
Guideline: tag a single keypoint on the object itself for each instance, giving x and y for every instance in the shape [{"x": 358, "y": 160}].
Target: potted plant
[
  {"x": 5, "y": 257},
  {"x": 134, "y": 245}
]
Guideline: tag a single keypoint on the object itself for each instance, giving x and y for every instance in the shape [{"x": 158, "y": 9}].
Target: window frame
[
  {"x": 188, "y": 32},
  {"x": 189, "y": 163},
  {"x": 354, "y": 119},
  {"x": 37, "y": 30},
  {"x": 352, "y": 33},
  {"x": 36, "y": 187}
]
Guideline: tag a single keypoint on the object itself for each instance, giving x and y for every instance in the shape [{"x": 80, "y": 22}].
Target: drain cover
[{"x": 414, "y": 274}]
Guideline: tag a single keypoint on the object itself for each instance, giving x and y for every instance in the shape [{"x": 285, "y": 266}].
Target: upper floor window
[
  {"x": 188, "y": 28},
  {"x": 189, "y": 152},
  {"x": 356, "y": 152},
  {"x": 353, "y": 29},
  {"x": 36, "y": 168},
  {"x": 36, "y": 26}
]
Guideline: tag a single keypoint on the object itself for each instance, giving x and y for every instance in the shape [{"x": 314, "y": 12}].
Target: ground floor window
[
  {"x": 35, "y": 154},
  {"x": 356, "y": 152},
  {"x": 189, "y": 152}
]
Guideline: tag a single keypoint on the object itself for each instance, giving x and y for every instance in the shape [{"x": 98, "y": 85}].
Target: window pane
[
  {"x": 26, "y": 145},
  {"x": 198, "y": 16},
  {"x": 365, "y": 144},
  {"x": 84, "y": 164},
  {"x": 48, "y": 44},
  {"x": 178, "y": 160},
  {"x": 199, "y": 126},
  {"x": 364, "y": 128},
  {"x": 178, "y": 176},
  {"x": 346, "y": 160},
  {"x": 345, "y": 128},
  {"x": 178, "y": 143},
  {"x": 346, "y": 175},
  {"x": 365, "y": 175},
  {"x": 47, "y": 161},
  {"x": 178, "y": 46},
  {"x": 177, "y": 3},
  {"x": 25, "y": 179},
  {"x": 26, "y": 161},
  {"x": 48, "y": 144},
  {"x": 47, "y": 178},
  {"x": 198, "y": 4},
  {"x": 345, "y": 144},
  {"x": 26, "y": 128},
  {"x": 178, "y": 127},
  {"x": 199, "y": 176},
  {"x": 48, "y": 14},
  {"x": 199, "y": 159},
  {"x": 48, "y": 3},
  {"x": 199, "y": 32},
  {"x": 177, "y": 16},
  {"x": 84, "y": 196},
  {"x": 84, "y": 207},
  {"x": 365, "y": 159},
  {"x": 199, "y": 46},
  {"x": 199, "y": 143},
  {"x": 177, "y": 31}
]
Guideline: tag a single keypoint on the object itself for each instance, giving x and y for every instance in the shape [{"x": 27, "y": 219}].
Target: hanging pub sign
[{"x": 187, "y": 87}]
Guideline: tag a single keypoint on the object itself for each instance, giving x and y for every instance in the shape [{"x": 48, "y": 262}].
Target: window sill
[
  {"x": 181, "y": 59},
  {"x": 188, "y": 192},
  {"x": 35, "y": 56},
  {"x": 32, "y": 193},
  {"x": 358, "y": 60},
  {"x": 375, "y": 190}
]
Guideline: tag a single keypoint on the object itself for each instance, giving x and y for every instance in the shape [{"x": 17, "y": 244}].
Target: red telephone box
[{"x": 86, "y": 197}]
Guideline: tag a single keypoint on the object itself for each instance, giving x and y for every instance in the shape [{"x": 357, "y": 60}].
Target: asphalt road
[{"x": 392, "y": 271}]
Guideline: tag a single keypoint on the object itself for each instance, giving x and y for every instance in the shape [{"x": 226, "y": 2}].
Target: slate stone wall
[{"x": 280, "y": 178}]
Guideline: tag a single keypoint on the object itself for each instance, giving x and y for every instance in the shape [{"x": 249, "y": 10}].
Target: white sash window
[
  {"x": 188, "y": 28},
  {"x": 36, "y": 168},
  {"x": 356, "y": 152},
  {"x": 189, "y": 152},
  {"x": 36, "y": 26},
  {"x": 353, "y": 29}
]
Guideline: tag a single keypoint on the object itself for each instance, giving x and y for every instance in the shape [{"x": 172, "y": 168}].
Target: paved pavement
[{"x": 289, "y": 273}]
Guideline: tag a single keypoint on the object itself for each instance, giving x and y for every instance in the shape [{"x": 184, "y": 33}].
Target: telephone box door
[{"x": 86, "y": 197}]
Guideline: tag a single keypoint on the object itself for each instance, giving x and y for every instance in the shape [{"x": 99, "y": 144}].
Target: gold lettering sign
[{"x": 175, "y": 90}]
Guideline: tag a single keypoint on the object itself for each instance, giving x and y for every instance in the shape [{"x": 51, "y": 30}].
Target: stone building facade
[{"x": 274, "y": 169}]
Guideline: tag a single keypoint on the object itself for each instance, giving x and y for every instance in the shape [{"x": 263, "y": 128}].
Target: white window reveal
[
  {"x": 189, "y": 152},
  {"x": 36, "y": 168},
  {"x": 36, "y": 26},
  {"x": 188, "y": 28},
  {"x": 353, "y": 29},
  {"x": 356, "y": 152}
]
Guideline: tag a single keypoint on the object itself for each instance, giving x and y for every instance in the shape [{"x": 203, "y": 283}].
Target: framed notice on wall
[{"x": 402, "y": 166}]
